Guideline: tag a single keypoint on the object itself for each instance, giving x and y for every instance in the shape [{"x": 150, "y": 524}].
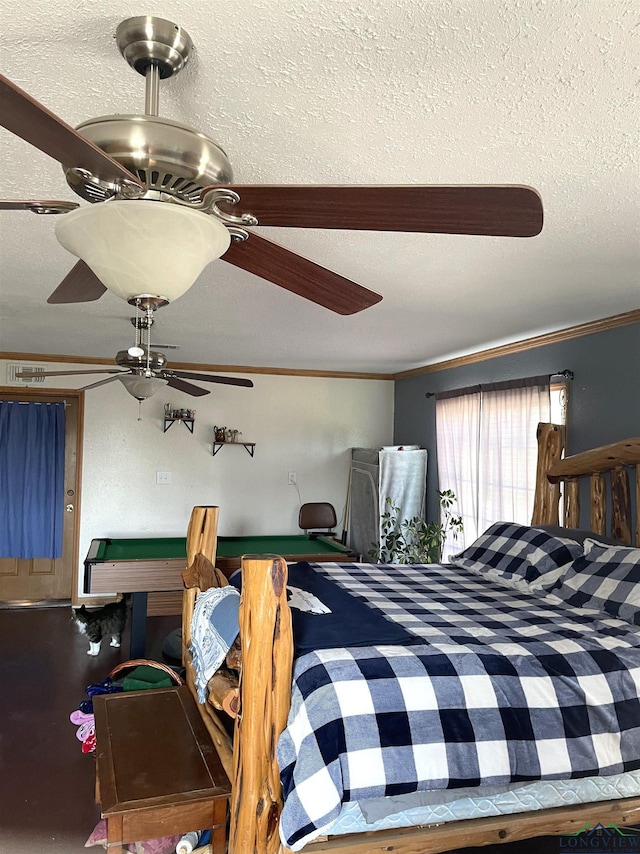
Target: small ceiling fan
[
  {"x": 132, "y": 167},
  {"x": 143, "y": 371}
]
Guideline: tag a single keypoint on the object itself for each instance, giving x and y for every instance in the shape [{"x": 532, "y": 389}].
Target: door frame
[{"x": 59, "y": 395}]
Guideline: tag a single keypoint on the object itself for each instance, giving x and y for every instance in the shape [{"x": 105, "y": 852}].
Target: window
[{"x": 487, "y": 450}]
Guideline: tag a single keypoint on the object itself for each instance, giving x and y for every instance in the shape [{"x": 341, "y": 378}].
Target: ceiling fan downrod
[{"x": 152, "y": 92}]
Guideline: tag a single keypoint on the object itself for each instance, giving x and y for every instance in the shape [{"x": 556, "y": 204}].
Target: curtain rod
[
  {"x": 524, "y": 381},
  {"x": 37, "y": 402}
]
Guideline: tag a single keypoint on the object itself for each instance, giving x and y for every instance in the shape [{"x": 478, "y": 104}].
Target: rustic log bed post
[
  {"x": 547, "y": 495},
  {"x": 265, "y": 697},
  {"x": 202, "y": 539}
]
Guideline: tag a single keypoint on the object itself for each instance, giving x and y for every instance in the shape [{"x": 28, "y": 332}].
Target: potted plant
[{"x": 415, "y": 540}]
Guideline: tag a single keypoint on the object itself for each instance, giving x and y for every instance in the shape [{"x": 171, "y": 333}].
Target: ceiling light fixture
[
  {"x": 151, "y": 248},
  {"x": 142, "y": 248},
  {"x": 142, "y": 387}
]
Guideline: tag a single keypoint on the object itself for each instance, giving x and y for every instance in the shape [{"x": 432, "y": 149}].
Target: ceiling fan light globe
[
  {"x": 142, "y": 387},
  {"x": 143, "y": 247}
]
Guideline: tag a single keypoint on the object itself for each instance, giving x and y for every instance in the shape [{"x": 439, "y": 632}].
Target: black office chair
[{"x": 318, "y": 514}]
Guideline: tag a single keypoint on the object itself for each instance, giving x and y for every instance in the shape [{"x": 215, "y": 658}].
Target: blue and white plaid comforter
[{"x": 505, "y": 687}]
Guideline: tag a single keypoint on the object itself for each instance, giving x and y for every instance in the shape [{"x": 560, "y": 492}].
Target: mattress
[
  {"x": 500, "y": 689},
  {"x": 405, "y": 811}
]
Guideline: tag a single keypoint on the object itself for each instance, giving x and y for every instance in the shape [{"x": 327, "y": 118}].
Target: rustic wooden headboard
[{"x": 612, "y": 471}]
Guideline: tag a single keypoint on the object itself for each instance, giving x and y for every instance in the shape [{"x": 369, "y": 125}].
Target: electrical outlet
[
  {"x": 163, "y": 477},
  {"x": 293, "y": 478}
]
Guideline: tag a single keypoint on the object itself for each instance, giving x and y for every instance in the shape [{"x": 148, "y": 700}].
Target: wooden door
[{"x": 23, "y": 580}]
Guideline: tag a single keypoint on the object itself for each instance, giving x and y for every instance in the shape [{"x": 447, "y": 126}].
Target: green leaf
[{"x": 415, "y": 540}]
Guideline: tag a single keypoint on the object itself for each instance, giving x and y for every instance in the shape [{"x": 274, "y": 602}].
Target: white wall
[{"x": 301, "y": 424}]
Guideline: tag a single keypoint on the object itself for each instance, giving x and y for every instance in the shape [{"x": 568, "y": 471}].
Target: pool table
[{"x": 140, "y": 565}]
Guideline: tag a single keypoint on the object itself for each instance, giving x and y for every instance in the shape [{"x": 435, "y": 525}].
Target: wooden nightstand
[{"x": 158, "y": 771}]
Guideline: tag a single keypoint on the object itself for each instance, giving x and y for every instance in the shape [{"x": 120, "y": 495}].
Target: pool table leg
[{"x": 138, "y": 625}]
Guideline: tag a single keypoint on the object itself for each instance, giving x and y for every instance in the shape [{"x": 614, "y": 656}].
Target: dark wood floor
[
  {"x": 46, "y": 804},
  {"x": 46, "y": 800}
]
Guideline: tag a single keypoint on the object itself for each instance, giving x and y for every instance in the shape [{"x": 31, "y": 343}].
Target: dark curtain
[{"x": 31, "y": 479}]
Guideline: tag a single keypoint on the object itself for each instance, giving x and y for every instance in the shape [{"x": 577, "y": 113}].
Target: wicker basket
[{"x": 136, "y": 662}]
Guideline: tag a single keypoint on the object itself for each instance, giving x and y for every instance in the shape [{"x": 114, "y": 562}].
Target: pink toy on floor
[
  {"x": 89, "y": 744},
  {"x": 164, "y": 845},
  {"x": 79, "y": 717},
  {"x": 86, "y": 732}
]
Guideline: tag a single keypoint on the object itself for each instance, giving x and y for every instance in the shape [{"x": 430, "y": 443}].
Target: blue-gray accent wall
[{"x": 604, "y": 396}]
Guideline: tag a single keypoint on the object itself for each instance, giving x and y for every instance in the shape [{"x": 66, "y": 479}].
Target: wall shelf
[
  {"x": 188, "y": 423},
  {"x": 248, "y": 446}
]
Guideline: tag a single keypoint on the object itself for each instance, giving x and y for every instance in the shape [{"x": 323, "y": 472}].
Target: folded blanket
[
  {"x": 324, "y": 615},
  {"x": 144, "y": 676},
  {"x": 214, "y": 627}
]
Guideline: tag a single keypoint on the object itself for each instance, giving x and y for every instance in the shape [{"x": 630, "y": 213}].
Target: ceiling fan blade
[
  {"x": 181, "y": 385},
  {"x": 79, "y": 285},
  {"x": 23, "y": 115},
  {"x": 100, "y": 382},
  {"x": 39, "y": 206},
  {"x": 26, "y": 373},
  {"x": 207, "y": 378},
  {"x": 509, "y": 211},
  {"x": 298, "y": 275}
]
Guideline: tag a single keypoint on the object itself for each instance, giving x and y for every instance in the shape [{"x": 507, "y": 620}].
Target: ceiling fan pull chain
[
  {"x": 136, "y": 351},
  {"x": 138, "y": 325},
  {"x": 149, "y": 314}
]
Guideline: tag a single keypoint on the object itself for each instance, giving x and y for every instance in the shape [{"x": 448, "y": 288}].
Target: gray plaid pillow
[
  {"x": 606, "y": 578},
  {"x": 515, "y": 550}
]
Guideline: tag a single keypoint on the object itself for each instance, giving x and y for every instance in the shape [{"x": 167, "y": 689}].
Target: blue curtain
[{"x": 31, "y": 479}]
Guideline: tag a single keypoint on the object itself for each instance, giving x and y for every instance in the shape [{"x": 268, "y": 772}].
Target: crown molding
[
  {"x": 590, "y": 328},
  {"x": 196, "y": 366}
]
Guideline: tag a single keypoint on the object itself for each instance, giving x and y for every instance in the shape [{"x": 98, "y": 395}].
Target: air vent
[{"x": 12, "y": 370}]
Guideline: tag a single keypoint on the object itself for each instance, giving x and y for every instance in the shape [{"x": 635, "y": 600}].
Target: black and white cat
[{"x": 108, "y": 621}]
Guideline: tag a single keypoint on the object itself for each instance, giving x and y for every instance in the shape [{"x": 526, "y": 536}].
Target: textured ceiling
[{"x": 536, "y": 92}]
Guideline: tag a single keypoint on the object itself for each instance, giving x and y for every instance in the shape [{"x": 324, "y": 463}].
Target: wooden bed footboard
[
  {"x": 264, "y": 685},
  {"x": 202, "y": 537}
]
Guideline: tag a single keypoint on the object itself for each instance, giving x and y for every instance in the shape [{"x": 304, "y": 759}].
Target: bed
[{"x": 489, "y": 611}]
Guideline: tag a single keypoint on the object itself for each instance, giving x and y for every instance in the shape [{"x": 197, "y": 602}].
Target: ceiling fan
[
  {"x": 143, "y": 371},
  {"x": 137, "y": 167}
]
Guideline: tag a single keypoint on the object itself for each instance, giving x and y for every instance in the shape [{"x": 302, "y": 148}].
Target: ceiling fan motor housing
[
  {"x": 170, "y": 158},
  {"x": 157, "y": 361}
]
